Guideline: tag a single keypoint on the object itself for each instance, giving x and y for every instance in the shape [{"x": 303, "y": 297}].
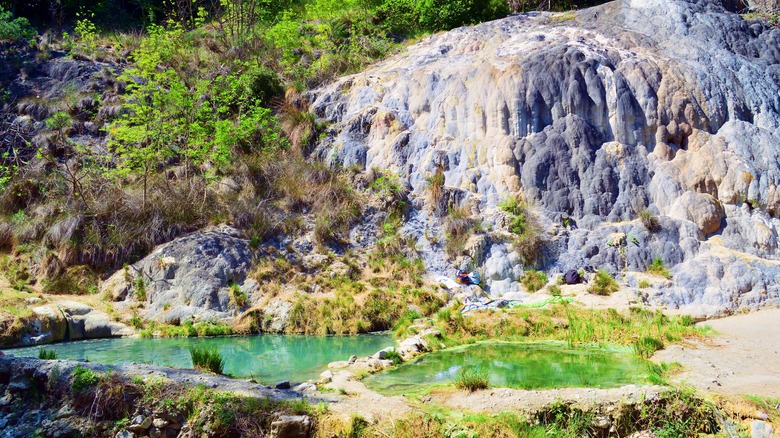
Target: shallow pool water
[
  {"x": 538, "y": 365},
  {"x": 267, "y": 358}
]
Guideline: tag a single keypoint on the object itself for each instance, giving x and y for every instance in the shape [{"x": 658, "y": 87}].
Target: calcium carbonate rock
[
  {"x": 190, "y": 277},
  {"x": 668, "y": 106}
]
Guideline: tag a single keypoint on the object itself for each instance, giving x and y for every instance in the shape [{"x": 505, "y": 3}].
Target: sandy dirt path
[{"x": 743, "y": 358}]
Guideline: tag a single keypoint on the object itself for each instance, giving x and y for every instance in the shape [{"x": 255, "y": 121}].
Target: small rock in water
[{"x": 284, "y": 384}]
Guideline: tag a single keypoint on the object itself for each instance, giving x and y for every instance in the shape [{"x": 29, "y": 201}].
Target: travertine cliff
[{"x": 669, "y": 106}]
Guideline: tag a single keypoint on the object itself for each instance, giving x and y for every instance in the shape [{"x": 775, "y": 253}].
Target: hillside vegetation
[{"x": 175, "y": 108}]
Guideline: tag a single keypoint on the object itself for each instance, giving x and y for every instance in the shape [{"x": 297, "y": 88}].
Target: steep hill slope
[{"x": 669, "y": 110}]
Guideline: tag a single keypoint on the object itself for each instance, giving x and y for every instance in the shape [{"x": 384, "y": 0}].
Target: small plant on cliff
[
  {"x": 471, "y": 379},
  {"x": 603, "y": 284},
  {"x": 533, "y": 281},
  {"x": 237, "y": 295},
  {"x": 657, "y": 267},
  {"x": 434, "y": 187},
  {"x": 458, "y": 226},
  {"x": 649, "y": 220},
  {"x": 139, "y": 288},
  {"x": 528, "y": 239},
  {"x": 207, "y": 360},
  {"x": 45, "y": 354}
]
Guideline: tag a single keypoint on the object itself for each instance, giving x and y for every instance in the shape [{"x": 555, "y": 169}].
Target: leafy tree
[
  {"x": 173, "y": 118},
  {"x": 12, "y": 29}
]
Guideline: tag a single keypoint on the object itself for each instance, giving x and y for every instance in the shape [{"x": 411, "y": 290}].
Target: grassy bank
[
  {"x": 675, "y": 413},
  {"x": 645, "y": 330}
]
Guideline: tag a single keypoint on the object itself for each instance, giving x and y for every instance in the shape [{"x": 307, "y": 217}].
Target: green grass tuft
[
  {"x": 83, "y": 378},
  {"x": 657, "y": 267},
  {"x": 647, "y": 345},
  {"x": 471, "y": 379},
  {"x": 603, "y": 284},
  {"x": 207, "y": 360},
  {"x": 533, "y": 281},
  {"x": 45, "y": 354},
  {"x": 394, "y": 356}
]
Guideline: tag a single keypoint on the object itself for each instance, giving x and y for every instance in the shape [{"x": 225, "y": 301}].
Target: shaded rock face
[
  {"x": 69, "y": 321},
  {"x": 669, "y": 106},
  {"x": 189, "y": 277}
]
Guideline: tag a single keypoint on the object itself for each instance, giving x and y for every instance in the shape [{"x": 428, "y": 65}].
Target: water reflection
[
  {"x": 516, "y": 365},
  {"x": 267, "y": 358}
]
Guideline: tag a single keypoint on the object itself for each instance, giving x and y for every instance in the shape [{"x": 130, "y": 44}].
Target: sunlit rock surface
[{"x": 669, "y": 106}]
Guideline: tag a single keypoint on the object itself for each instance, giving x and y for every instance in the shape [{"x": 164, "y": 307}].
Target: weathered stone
[
  {"x": 326, "y": 377},
  {"x": 291, "y": 426},
  {"x": 64, "y": 412},
  {"x": 19, "y": 383},
  {"x": 139, "y": 424},
  {"x": 190, "y": 277},
  {"x": 761, "y": 429}
]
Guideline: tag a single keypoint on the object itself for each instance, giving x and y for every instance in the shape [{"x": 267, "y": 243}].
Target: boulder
[
  {"x": 189, "y": 277},
  {"x": 291, "y": 426},
  {"x": 700, "y": 208}
]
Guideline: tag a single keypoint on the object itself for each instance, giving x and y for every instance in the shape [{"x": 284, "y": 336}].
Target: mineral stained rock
[{"x": 597, "y": 115}]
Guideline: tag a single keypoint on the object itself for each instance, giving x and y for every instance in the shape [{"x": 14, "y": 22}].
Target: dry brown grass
[
  {"x": 298, "y": 124},
  {"x": 458, "y": 226}
]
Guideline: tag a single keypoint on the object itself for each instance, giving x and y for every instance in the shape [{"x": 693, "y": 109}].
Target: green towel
[{"x": 543, "y": 303}]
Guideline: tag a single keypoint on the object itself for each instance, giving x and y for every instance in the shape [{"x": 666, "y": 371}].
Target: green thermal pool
[
  {"x": 539, "y": 365},
  {"x": 267, "y": 358}
]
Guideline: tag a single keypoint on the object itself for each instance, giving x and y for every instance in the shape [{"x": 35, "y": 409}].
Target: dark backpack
[{"x": 572, "y": 277}]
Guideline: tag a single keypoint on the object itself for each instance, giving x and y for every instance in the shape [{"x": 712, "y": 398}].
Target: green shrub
[
  {"x": 45, "y": 354},
  {"x": 394, "y": 356},
  {"x": 139, "y": 289},
  {"x": 657, "y": 267},
  {"x": 83, "y": 378},
  {"x": 207, "y": 360},
  {"x": 529, "y": 236},
  {"x": 12, "y": 29},
  {"x": 533, "y": 281},
  {"x": 603, "y": 284},
  {"x": 237, "y": 295},
  {"x": 137, "y": 322},
  {"x": 471, "y": 379}
]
